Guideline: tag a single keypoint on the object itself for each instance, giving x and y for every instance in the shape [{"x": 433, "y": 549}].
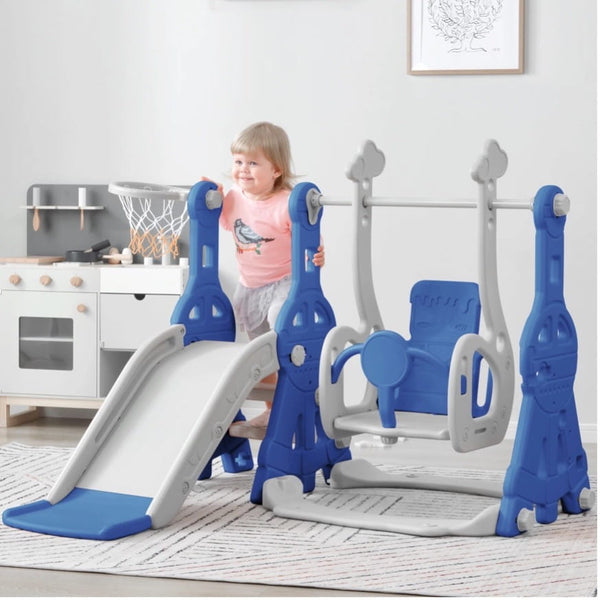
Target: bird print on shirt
[{"x": 247, "y": 239}]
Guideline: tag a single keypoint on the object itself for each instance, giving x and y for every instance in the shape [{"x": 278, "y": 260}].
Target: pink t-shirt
[{"x": 262, "y": 232}]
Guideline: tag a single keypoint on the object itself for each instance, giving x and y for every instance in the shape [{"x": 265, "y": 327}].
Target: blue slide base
[{"x": 86, "y": 514}]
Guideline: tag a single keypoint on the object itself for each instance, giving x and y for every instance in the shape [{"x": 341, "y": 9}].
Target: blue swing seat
[
  {"x": 411, "y": 376},
  {"x": 441, "y": 312}
]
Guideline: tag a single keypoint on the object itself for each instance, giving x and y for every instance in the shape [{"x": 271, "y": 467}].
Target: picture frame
[{"x": 465, "y": 37}]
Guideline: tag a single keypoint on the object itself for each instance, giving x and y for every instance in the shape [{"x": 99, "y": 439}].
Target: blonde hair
[{"x": 274, "y": 143}]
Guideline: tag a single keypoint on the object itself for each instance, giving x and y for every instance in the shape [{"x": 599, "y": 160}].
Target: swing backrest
[{"x": 441, "y": 312}]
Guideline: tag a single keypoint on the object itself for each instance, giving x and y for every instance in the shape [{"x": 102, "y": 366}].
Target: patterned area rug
[{"x": 220, "y": 536}]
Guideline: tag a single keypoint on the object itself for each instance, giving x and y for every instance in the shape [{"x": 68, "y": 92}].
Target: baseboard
[{"x": 588, "y": 431}]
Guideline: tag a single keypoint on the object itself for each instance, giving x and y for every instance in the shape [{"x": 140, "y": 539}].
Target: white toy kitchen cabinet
[
  {"x": 69, "y": 329},
  {"x": 140, "y": 297}
]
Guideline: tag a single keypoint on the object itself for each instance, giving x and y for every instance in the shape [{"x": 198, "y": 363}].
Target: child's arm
[
  {"x": 319, "y": 256},
  {"x": 219, "y": 185}
]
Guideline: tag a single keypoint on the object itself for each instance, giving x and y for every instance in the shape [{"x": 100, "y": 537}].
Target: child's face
[{"x": 254, "y": 174}]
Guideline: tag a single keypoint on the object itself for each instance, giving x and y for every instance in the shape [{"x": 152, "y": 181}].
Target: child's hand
[
  {"x": 219, "y": 185},
  {"x": 319, "y": 257}
]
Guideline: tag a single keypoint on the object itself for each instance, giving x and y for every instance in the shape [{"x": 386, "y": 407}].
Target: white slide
[{"x": 157, "y": 429}]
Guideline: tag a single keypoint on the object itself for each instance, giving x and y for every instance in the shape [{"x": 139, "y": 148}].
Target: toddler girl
[{"x": 255, "y": 210}]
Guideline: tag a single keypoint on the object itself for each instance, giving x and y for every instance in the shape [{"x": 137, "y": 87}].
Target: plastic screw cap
[
  {"x": 298, "y": 355},
  {"x": 525, "y": 520},
  {"x": 561, "y": 205},
  {"x": 388, "y": 440},
  {"x": 587, "y": 499},
  {"x": 214, "y": 199}
]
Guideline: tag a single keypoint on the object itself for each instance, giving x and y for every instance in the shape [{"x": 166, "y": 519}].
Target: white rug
[{"x": 219, "y": 535}]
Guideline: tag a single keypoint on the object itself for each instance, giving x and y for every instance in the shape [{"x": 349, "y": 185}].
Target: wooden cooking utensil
[{"x": 82, "y": 201}]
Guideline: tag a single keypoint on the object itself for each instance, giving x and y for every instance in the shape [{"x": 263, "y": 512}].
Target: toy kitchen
[{"x": 92, "y": 288}]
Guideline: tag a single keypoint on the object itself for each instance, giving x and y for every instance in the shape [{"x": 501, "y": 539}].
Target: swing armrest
[
  {"x": 331, "y": 383},
  {"x": 342, "y": 358},
  {"x": 426, "y": 357},
  {"x": 466, "y": 431}
]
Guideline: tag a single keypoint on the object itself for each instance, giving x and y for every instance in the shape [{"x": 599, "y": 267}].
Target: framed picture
[{"x": 463, "y": 37}]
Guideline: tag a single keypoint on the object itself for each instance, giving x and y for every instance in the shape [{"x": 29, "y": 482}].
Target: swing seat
[
  {"x": 442, "y": 311},
  {"x": 411, "y": 376}
]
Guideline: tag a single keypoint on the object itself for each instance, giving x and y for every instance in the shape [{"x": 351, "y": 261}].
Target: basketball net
[{"x": 156, "y": 215}]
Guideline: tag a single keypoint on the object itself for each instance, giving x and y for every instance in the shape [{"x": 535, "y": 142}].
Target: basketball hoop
[{"x": 156, "y": 214}]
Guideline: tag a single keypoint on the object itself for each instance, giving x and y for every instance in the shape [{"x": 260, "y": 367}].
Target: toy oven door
[{"x": 48, "y": 343}]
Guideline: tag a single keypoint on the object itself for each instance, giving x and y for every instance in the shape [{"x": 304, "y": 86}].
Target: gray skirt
[{"x": 258, "y": 308}]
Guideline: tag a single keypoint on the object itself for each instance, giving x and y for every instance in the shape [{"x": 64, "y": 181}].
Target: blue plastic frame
[
  {"x": 203, "y": 308},
  {"x": 295, "y": 443},
  {"x": 548, "y": 464}
]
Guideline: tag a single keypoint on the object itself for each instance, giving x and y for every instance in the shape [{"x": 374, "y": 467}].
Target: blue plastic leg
[
  {"x": 295, "y": 443},
  {"x": 546, "y": 513},
  {"x": 507, "y": 519},
  {"x": 235, "y": 454},
  {"x": 548, "y": 464}
]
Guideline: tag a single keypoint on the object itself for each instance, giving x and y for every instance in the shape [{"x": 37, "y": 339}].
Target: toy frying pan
[{"x": 90, "y": 255}]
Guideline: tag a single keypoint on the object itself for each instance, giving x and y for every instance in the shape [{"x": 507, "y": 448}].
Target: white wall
[{"x": 154, "y": 90}]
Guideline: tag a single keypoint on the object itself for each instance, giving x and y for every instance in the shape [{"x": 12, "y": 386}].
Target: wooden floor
[{"x": 67, "y": 432}]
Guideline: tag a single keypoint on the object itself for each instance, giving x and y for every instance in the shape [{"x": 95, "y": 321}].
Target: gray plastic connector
[
  {"x": 525, "y": 520},
  {"x": 388, "y": 440},
  {"x": 313, "y": 204},
  {"x": 561, "y": 205},
  {"x": 298, "y": 355},
  {"x": 214, "y": 199},
  {"x": 587, "y": 499}
]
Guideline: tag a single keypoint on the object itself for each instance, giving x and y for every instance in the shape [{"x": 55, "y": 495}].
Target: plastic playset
[{"x": 185, "y": 386}]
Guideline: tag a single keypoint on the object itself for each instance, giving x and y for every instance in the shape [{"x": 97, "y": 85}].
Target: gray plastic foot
[
  {"x": 283, "y": 496},
  {"x": 360, "y": 473},
  {"x": 525, "y": 520},
  {"x": 587, "y": 499}
]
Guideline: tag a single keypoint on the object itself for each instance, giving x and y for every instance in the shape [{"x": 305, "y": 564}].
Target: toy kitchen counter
[{"x": 68, "y": 329}]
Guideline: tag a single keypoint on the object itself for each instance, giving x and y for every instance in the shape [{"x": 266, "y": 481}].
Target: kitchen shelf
[
  {"x": 60, "y": 340},
  {"x": 63, "y": 207}
]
